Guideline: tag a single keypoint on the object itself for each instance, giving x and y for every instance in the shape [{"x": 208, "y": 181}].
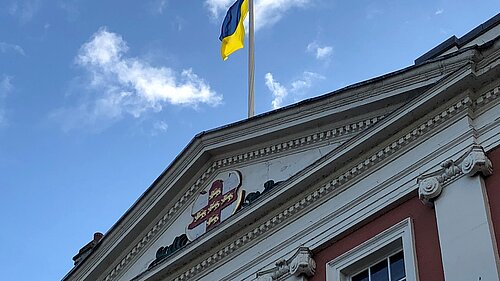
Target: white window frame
[{"x": 397, "y": 237}]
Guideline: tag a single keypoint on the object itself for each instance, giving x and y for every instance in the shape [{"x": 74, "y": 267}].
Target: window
[
  {"x": 389, "y": 269},
  {"x": 388, "y": 256}
]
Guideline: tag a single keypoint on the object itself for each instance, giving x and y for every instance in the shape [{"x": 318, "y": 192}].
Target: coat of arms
[{"x": 217, "y": 201}]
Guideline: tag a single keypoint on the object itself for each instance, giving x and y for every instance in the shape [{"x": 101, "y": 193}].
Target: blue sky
[{"x": 98, "y": 97}]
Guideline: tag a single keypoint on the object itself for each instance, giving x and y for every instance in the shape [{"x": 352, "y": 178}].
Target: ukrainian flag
[{"x": 232, "y": 32}]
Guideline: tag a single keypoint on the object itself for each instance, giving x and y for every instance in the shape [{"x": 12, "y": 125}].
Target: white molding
[
  {"x": 486, "y": 113},
  {"x": 335, "y": 269}
]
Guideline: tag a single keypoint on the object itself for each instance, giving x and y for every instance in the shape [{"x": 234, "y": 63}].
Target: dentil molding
[
  {"x": 301, "y": 263},
  {"x": 471, "y": 163}
]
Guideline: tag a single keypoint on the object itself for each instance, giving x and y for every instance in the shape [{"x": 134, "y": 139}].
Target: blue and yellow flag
[{"x": 232, "y": 32}]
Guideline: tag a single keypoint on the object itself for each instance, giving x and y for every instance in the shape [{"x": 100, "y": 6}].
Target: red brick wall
[
  {"x": 425, "y": 232},
  {"x": 493, "y": 191}
]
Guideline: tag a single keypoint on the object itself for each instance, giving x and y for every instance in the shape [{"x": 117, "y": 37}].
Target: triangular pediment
[{"x": 235, "y": 180}]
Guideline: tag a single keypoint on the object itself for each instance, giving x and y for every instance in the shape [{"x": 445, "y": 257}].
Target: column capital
[
  {"x": 301, "y": 263},
  {"x": 471, "y": 163},
  {"x": 476, "y": 161}
]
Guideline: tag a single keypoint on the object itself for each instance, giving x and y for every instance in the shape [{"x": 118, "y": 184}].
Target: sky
[{"x": 98, "y": 97}]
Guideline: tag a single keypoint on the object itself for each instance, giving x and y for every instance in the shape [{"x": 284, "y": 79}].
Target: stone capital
[
  {"x": 476, "y": 161},
  {"x": 300, "y": 264},
  {"x": 471, "y": 163}
]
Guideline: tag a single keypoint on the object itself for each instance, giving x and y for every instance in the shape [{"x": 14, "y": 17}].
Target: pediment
[{"x": 234, "y": 181}]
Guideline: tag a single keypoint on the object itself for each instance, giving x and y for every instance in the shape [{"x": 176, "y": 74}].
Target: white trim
[{"x": 402, "y": 231}]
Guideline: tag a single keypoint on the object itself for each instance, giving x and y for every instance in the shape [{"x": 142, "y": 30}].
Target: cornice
[
  {"x": 431, "y": 185},
  {"x": 354, "y": 95},
  {"x": 487, "y": 97},
  {"x": 492, "y": 58},
  {"x": 474, "y": 161},
  {"x": 307, "y": 140},
  {"x": 471, "y": 163},
  {"x": 245, "y": 157}
]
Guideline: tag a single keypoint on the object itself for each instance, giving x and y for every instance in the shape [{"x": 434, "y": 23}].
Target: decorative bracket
[
  {"x": 301, "y": 263},
  {"x": 471, "y": 163}
]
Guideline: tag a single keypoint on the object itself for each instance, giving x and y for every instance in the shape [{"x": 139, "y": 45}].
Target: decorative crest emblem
[{"x": 216, "y": 202}]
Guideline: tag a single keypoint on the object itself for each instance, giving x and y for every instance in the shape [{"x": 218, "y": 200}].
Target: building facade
[{"x": 394, "y": 178}]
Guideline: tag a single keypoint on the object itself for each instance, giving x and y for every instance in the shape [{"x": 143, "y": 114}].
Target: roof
[{"x": 453, "y": 41}]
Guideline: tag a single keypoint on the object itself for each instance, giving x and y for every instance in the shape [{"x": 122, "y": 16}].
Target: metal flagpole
[{"x": 251, "y": 65}]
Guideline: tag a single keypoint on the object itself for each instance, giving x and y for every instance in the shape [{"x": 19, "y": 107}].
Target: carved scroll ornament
[
  {"x": 301, "y": 263},
  {"x": 473, "y": 162}
]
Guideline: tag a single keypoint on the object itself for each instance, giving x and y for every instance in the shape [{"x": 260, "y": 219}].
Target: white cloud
[
  {"x": 6, "y": 85},
  {"x": 267, "y": 12},
  {"x": 297, "y": 88},
  {"x": 130, "y": 86},
  {"x": 178, "y": 23},
  {"x": 438, "y": 12},
  {"x": 320, "y": 52},
  {"x": 278, "y": 91},
  {"x": 6, "y": 88},
  {"x": 6, "y": 47},
  {"x": 216, "y": 7},
  {"x": 305, "y": 82},
  {"x": 160, "y": 6},
  {"x": 24, "y": 11},
  {"x": 159, "y": 127}
]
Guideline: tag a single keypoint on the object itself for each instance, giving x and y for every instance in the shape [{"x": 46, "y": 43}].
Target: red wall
[
  {"x": 425, "y": 232},
  {"x": 493, "y": 191}
]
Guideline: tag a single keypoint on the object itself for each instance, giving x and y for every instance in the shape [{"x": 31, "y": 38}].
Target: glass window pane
[
  {"x": 363, "y": 276},
  {"x": 379, "y": 272},
  {"x": 397, "y": 266}
]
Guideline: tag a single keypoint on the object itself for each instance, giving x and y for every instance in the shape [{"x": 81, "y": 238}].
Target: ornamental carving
[
  {"x": 215, "y": 203},
  {"x": 477, "y": 162},
  {"x": 253, "y": 196},
  {"x": 471, "y": 163},
  {"x": 301, "y": 263},
  {"x": 165, "y": 252}
]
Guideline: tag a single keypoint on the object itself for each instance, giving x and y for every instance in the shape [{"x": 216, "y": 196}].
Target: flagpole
[{"x": 251, "y": 64}]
